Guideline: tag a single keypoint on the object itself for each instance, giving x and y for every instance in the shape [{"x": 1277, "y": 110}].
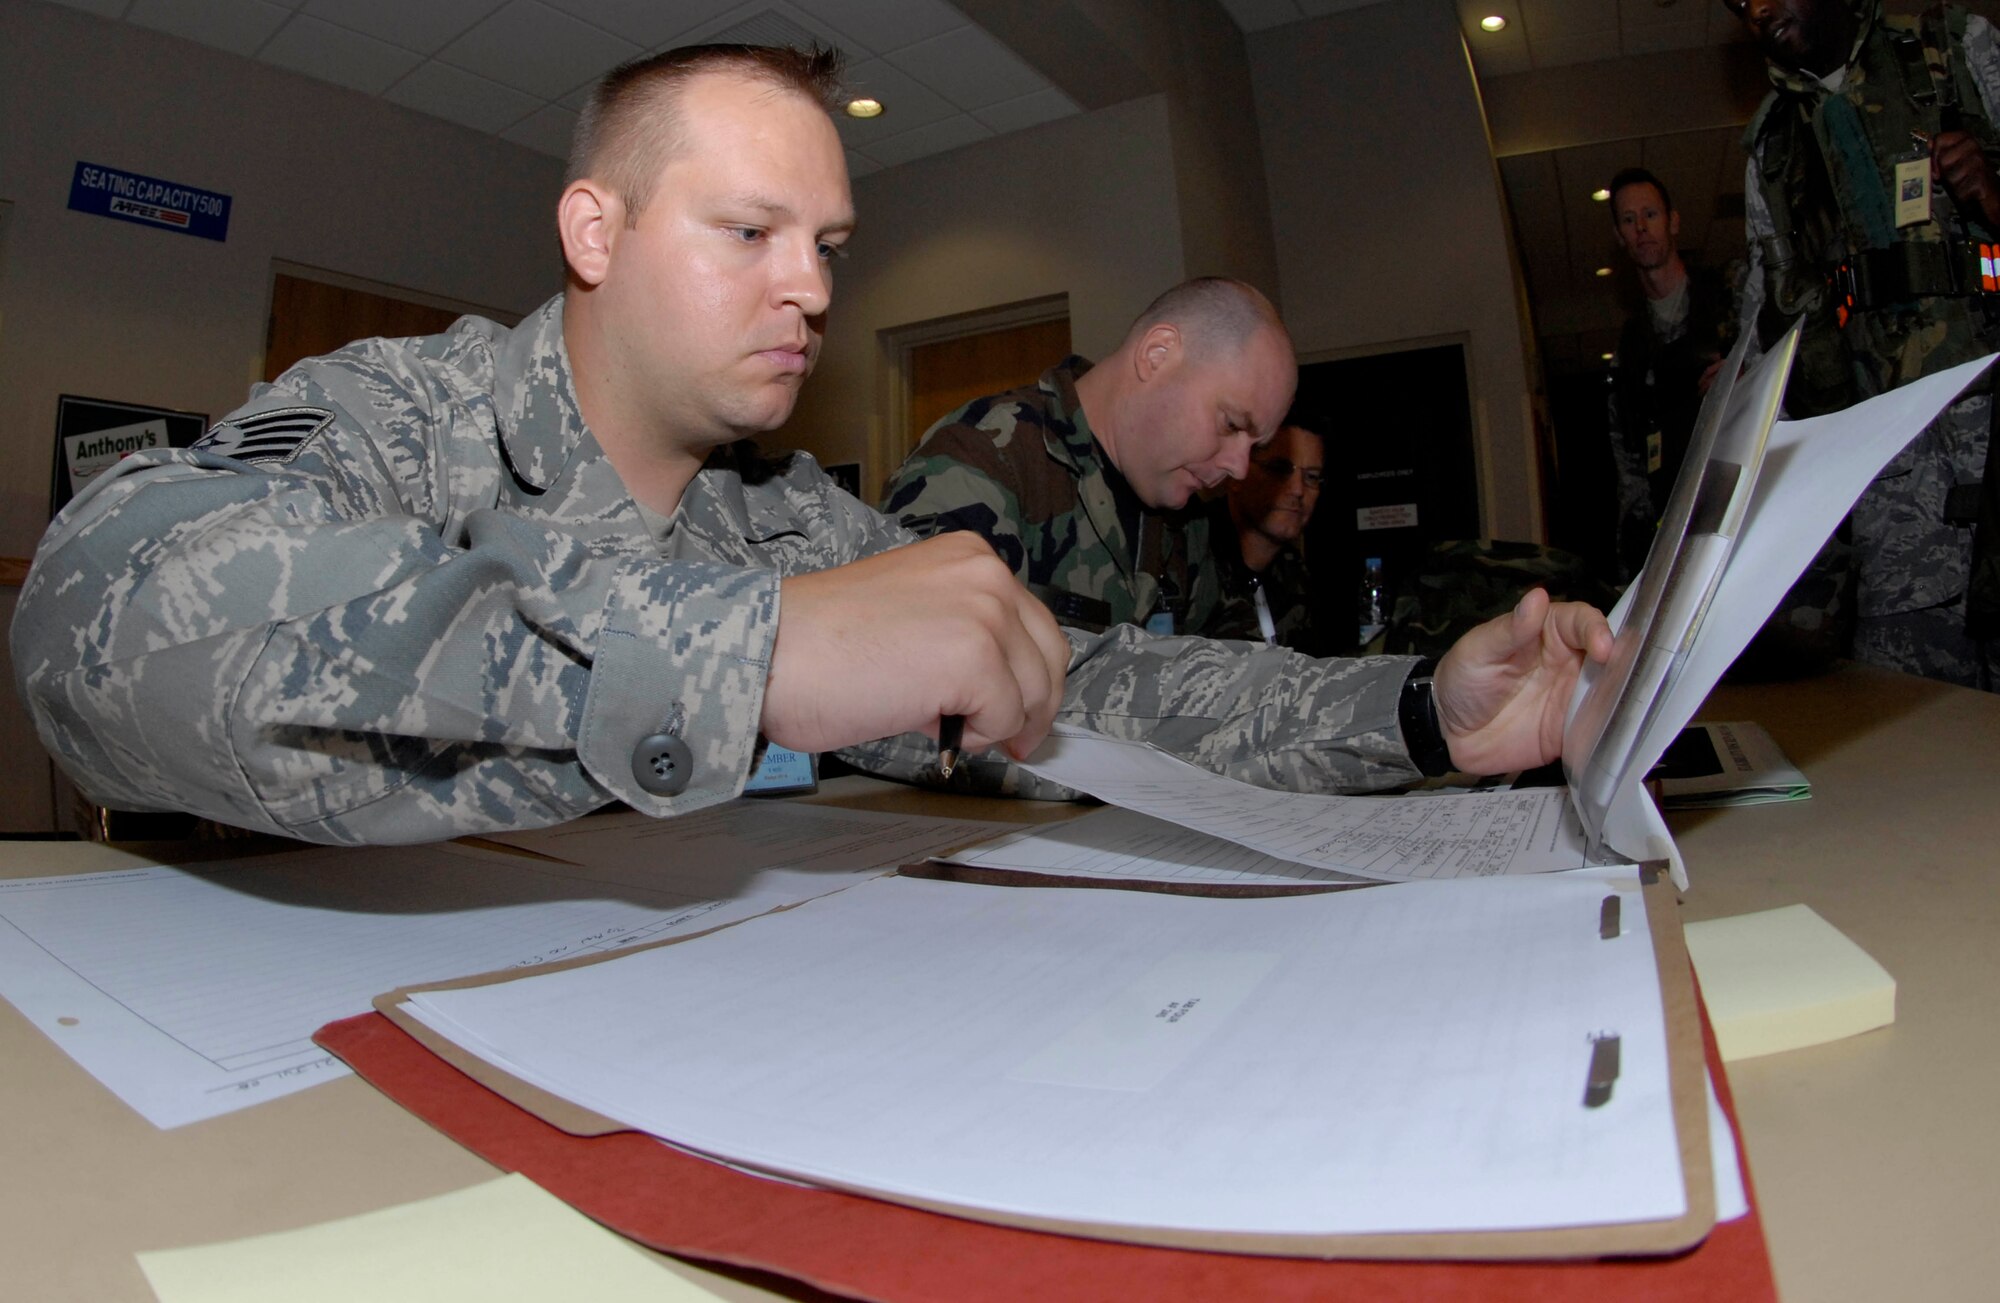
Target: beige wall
[
  {"x": 318, "y": 175},
  {"x": 1191, "y": 52},
  {"x": 1388, "y": 214},
  {"x": 1083, "y": 206}
]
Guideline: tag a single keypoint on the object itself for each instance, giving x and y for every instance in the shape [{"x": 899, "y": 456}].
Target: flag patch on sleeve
[{"x": 276, "y": 435}]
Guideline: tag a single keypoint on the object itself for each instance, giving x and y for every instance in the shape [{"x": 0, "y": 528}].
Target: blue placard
[
  {"x": 782, "y": 770},
  {"x": 149, "y": 201}
]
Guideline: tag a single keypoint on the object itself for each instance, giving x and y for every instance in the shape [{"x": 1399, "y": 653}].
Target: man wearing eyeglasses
[{"x": 1258, "y": 533}]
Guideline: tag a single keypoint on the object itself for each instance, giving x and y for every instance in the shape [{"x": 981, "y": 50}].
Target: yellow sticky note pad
[
  {"x": 506, "y": 1239},
  {"x": 1786, "y": 978}
]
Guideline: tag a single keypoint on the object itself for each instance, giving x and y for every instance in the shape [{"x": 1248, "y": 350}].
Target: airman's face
[
  {"x": 1277, "y": 496},
  {"x": 1193, "y": 425},
  {"x": 720, "y": 290},
  {"x": 1804, "y": 35},
  {"x": 1646, "y": 227}
]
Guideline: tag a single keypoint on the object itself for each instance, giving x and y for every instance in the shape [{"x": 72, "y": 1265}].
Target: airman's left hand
[{"x": 1503, "y": 690}]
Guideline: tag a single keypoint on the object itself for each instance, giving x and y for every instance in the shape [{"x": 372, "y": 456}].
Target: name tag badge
[
  {"x": 782, "y": 770},
  {"x": 1913, "y": 191},
  {"x": 1160, "y": 621},
  {"x": 1654, "y": 452}
]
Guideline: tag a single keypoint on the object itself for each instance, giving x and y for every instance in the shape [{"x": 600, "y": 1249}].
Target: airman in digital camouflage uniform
[
  {"x": 1866, "y": 112},
  {"x": 497, "y": 578},
  {"x": 1081, "y": 481}
]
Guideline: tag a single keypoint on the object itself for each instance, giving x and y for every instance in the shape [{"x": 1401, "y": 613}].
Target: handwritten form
[
  {"x": 191, "y": 992},
  {"x": 1411, "y": 1057},
  {"x": 1385, "y": 838}
]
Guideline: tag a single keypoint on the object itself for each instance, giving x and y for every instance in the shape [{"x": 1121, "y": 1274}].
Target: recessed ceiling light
[
  {"x": 1603, "y": 271},
  {"x": 864, "y": 108},
  {"x": 1604, "y": 357},
  {"x": 1601, "y": 195},
  {"x": 1492, "y": 23}
]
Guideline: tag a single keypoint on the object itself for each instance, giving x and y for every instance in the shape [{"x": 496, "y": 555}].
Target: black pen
[{"x": 951, "y": 735}]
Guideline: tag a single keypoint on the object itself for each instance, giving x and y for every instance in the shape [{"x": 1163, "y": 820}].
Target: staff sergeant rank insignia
[{"x": 275, "y": 436}]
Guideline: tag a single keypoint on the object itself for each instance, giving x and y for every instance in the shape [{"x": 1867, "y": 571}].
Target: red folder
[{"x": 852, "y": 1245}]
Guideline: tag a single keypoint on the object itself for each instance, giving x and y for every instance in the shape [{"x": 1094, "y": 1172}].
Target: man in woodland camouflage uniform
[
  {"x": 497, "y": 578},
  {"x": 1081, "y": 481},
  {"x": 1869, "y": 195}
]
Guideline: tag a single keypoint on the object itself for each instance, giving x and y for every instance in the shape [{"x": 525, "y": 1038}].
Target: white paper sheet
[
  {"x": 1411, "y": 1057},
  {"x": 193, "y": 992},
  {"x": 1814, "y": 471},
  {"x": 1124, "y": 844},
  {"x": 1387, "y": 838}
]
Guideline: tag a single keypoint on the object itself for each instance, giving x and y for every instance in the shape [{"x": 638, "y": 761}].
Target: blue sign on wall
[{"x": 108, "y": 192}]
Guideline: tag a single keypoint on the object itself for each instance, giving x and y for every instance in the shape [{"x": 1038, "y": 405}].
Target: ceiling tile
[
  {"x": 933, "y": 139},
  {"x": 532, "y": 48},
  {"x": 1676, "y": 36},
  {"x": 1257, "y": 15},
  {"x": 871, "y": 27},
  {"x": 859, "y": 164},
  {"x": 906, "y": 103},
  {"x": 239, "y": 26},
  {"x": 1494, "y": 54},
  {"x": 969, "y": 68},
  {"x": 764, "y": 22},
  {"x": 1502, "y": 62},
  {"x": 337, "y": 55},
  {"x": 1027, "y": 111},
  {"x": 1559, "y": 18},
  {"x": 1583, "y": 48},
  {"x": 102, "y": 8},
  {"x": 425, "y": 28},
  {"x": 1316, "y": 8},
  {"x": 650, "y": 24},
  {"x": 457, "y": 96},
  {"x": 1724, "y": 26},
  {"x": 546, "y": 131}
]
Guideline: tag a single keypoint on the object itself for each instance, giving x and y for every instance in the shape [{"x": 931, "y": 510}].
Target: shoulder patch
[{"x": 276, "y": 435}]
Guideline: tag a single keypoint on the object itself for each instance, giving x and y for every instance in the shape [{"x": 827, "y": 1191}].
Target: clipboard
[{"x": 1686, "y": 1087}]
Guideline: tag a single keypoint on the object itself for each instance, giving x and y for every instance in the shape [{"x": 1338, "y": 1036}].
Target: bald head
[
  {"x": 1203, "y": 375},
  {"x": 633, "y": 125},
  {"x": 1216, "y": 316}
]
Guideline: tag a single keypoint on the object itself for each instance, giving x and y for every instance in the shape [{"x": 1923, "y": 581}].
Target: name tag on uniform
[
  {"x": 1913, "y": 191},
  {"x": 1655, "y": 452},
  {"x": 1161, "y": 621}
]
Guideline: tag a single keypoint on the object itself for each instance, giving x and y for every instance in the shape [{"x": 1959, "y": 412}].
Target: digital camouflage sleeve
[{"x": 402, "y": 596}]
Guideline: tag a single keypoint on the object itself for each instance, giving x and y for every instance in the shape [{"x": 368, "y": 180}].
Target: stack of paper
[
  {"x": 1428, "y": 1058},
  {"x": 1714, "y": 765}
]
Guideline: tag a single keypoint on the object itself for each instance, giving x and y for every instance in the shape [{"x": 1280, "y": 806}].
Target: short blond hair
[{"x": 632, "y": 124}]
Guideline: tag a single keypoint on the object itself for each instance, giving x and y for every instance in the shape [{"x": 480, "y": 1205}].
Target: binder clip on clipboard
[{"x": 1615, "y": 733}]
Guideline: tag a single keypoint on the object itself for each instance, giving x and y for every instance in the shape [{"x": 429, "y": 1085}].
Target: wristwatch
[{"x": 1417, "y": 712}]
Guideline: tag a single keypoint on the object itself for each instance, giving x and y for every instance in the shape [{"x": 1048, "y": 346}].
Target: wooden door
[
  {"x": 951, "y": 372},
  {"x": 310, "y": 317}
]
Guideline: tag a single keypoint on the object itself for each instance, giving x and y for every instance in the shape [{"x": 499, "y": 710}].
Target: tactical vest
[{"x": 1883, "y": 304}]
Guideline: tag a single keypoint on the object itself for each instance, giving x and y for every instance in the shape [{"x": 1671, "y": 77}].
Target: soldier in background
[
  {"x": 1081, "y": 481},
  {"x": 1667, "y": 355},
  {"x": 1258, "y": 530},
  {"x": 1869, "y": 194},
  {"x": 501, "y": 577}
]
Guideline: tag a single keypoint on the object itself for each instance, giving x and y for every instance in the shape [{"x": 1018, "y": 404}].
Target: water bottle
[{"x": 1369, "y": 605}]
